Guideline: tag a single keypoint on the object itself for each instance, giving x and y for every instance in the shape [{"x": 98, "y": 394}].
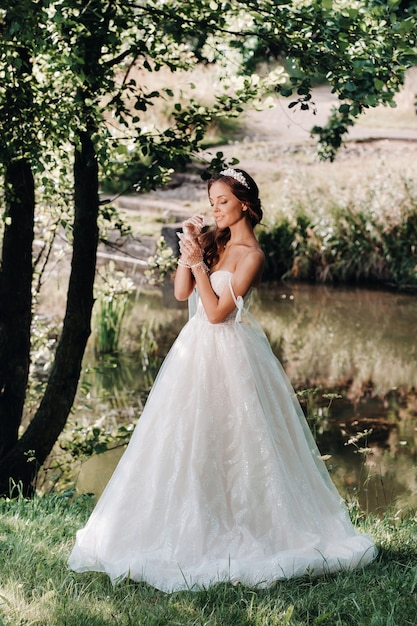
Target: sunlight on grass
[{"x": 37, "y": 588}]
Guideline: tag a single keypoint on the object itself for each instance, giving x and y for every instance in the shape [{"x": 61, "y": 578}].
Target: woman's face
[{"x": 226, "y": 208}]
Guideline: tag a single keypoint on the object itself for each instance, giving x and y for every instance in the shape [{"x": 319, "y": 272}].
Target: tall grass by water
[
  {"x": 331, "y": 234},
  {"x": 112, "y": 297},
  {"x": 36, "y": 587}
]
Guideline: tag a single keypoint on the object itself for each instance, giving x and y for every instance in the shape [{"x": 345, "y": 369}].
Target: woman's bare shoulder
[
  {"x": 251, "y": 265},
  {"x": 253, "y": 255}
]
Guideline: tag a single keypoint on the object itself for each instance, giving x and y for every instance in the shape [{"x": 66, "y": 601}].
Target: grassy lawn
[{"x": 36, "y": 587}]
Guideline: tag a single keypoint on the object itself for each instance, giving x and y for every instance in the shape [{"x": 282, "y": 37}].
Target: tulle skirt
[{"x": 222, "y": 479}]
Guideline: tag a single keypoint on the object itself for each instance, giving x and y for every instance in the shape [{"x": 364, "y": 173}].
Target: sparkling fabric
[{"x": 222, "y": 479}]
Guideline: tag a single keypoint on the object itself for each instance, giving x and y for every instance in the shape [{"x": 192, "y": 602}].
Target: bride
[{"x": 222, "y": 479}]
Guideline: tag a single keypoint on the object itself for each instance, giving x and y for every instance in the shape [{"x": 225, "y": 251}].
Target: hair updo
[{"x": 215, "y": 239}]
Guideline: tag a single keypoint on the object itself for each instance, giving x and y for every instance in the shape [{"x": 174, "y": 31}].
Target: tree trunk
[
  {"x": 21, "y": 463},
  {"x": 15, "y": 299}
]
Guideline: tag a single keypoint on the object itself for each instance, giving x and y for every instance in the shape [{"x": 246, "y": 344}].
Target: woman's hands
[
  {"x": 191, "y": 252},
  {"x": 193, "y": 226},
  {"x": 191, "y": 262}
]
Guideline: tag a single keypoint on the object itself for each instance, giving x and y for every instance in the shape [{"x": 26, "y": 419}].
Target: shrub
[{"x": 368, "y": 235}]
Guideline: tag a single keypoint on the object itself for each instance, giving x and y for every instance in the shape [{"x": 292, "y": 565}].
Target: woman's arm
[{"x": 183, "y": 283}]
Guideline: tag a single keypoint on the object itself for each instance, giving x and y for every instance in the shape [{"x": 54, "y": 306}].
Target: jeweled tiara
[{"x": 237, "y": 176}]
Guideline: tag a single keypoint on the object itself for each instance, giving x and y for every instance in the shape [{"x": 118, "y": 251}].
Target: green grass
[{"x": 36, "y": 587}]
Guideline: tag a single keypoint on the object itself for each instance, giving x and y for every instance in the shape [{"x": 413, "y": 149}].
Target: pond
[{"x": 352, "y": 355}]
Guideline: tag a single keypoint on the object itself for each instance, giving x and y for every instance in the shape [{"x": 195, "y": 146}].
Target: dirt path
[
  {"x": 280, "y": 130},
  {"x": 288, "y": 126}
]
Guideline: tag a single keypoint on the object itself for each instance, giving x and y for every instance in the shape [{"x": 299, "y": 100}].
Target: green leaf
[
  {"x": 379, "y": 84},
  {"x": 344, "y": 108}
]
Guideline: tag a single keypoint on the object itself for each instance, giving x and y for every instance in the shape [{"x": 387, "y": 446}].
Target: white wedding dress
[{"x": 222, "y": 480}]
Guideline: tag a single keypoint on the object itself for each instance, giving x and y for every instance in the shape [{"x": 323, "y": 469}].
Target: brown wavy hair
[{"x": 215, "y": 238}]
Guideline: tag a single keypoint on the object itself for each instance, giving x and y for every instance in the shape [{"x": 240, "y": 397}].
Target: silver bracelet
[{"x": 182, "y": 263}]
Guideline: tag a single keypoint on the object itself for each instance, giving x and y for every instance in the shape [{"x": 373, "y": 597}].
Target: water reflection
[
  {"x": 358, "y": 342},
  {"x": 332, "y": 335},
  {"x": 373, "y": 456}
]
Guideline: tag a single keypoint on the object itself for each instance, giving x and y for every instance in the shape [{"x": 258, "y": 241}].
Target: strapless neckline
[{"x": 217, "y": 271}]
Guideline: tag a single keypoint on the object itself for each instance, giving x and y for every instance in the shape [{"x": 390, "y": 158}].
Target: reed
[{"x": 112, "y": 297}]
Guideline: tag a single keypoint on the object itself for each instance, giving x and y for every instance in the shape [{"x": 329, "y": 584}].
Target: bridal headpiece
[{"x": 237, "y": 176}]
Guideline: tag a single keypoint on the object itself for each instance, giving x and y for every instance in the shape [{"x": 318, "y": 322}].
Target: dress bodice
[{"x": 221, "y": 280}]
